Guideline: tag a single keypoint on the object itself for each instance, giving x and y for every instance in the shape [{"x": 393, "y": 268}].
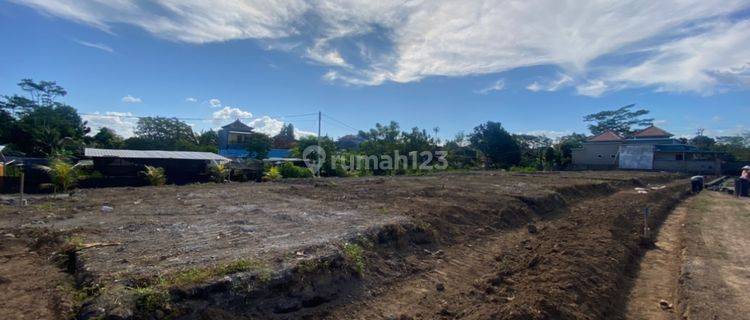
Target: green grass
[
  {"x": 199, "y": 275},
  {"x": 354, "y": 255},
  {"x": 149, "y": 299}
]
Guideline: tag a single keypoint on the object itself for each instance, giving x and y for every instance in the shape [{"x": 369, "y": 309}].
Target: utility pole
[
  {"x": 320, "y": 165},
  {"x": 320, "y": 114}
]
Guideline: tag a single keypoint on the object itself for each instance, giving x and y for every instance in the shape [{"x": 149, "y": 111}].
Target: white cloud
[
  {"x": 215, "y": 103},
  {"x": 322, "y": 54},
  {"x": 272, "y": 126},
  {"x": 683, "y": 45},
  {"x": 552, "y": 134},
  {"x": 191, "y": 99},
  {"x": 706, "y": 63},
  {"x": 495, "y": 86},
  {"x": 563, "y": 80},
  {"x": 99, "y": 46},
  {"x": 229, "y": 113},
  {"x": 123, "y": 123},
  {"x": 265, "y": 124},
  {"x": 131, "y": 99},
  {"x": 593, "y": 88}
]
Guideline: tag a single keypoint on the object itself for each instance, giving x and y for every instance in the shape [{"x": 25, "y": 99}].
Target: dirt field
[
  {"x": 715, "y": 269},
  {"x": 456, "y": 245}
]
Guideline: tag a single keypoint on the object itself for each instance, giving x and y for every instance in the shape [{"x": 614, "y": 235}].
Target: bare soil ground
[
  {"x": 715, "y": 272},
  {"x": 454, "y": 245},
  {"x": 654, "y": 292}
]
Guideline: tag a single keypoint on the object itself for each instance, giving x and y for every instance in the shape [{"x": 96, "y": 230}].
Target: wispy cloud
[
  {"x": 563, "y": 80},
  {"x": 131, "y": 99},
  {"x": 684, "y": 45},
  {"x": 191, "y": 100},
  {"x": 495, "y": 86},
  {"x": 99, "y": 46},
  {"x": 215, "y": 103}
]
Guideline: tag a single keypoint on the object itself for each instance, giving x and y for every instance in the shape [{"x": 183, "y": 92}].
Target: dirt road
[
  {"x": 715, "y": 272},
  {"x": 654, "y": 287}
]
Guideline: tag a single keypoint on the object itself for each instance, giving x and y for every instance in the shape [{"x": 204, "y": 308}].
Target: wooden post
[
  {"x": 23, "y": 177},
  {"x": 646, "y": 230}
]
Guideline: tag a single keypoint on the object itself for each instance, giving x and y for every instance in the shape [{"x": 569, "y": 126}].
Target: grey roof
[{"x": 152, "y": 154}]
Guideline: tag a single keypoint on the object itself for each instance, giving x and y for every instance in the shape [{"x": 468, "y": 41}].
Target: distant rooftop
[
  {"x": 237, "y": 125},
  {"x": 609, "y": 136},
  {"x": 652, "y": 132},
  {"x": 151, "y": 154}
]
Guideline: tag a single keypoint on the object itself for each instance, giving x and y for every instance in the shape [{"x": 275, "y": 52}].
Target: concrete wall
[
  {"x": 596, "y": 154},
  {"x": 639, "y": 157},
  {"x": 689, "y": 166}
]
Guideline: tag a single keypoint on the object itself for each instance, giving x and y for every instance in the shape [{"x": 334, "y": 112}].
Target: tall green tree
[
  {"x": 39, "y": 125},
  {"x": 107, "y": 138},
  {"x": 621, "y": 120},
  {"x": 497, "y": 145},
  {"x": 329, "y": 147},
  {"x": 285, "y": 138},
  {"x": 460, "y": 154},
  {"x": 532, "y": 149},
  {"x": 703, "y": 142},
  {"x": 565, "y": 147},
  {"x": 162, "y": 134},
  {"x": 258, "y": 144},
  {"x": 349, "y": 142}
]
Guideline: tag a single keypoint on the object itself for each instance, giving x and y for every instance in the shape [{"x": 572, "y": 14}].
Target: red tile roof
[
  {"x": 609, "y": 136},
  {"x": 652, "y": 132}
]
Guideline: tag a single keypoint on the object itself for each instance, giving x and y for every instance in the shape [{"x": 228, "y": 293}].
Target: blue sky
[{"x": 535, "y": 66}]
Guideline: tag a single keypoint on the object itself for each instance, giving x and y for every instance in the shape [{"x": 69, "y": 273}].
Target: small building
[
  {"x": 125, "y": 165},
  {"x": 649, "y": 149},
  {"x": 233, "y": 139}
]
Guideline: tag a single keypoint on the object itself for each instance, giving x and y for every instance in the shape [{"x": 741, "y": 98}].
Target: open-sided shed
[{"x": 179, "y": 166}]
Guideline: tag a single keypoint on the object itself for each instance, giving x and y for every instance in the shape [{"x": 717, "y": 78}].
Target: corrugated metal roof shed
[{"x": 152, "y": 154}]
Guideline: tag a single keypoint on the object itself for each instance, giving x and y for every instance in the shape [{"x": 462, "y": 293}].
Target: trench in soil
[{"x": 561, "y": 254}]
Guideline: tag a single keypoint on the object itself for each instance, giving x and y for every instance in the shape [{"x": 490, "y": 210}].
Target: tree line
[{"x": 37, "y": 124}]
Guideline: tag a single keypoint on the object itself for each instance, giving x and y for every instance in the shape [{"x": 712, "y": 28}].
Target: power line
[{"x": 341, "y": 122}]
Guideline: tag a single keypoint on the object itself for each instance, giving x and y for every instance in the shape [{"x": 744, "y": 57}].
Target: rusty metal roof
[{"x": 151, "y": 154}]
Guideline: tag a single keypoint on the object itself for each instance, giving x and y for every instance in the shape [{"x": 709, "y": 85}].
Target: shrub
[
  {"x": 354, "y": 255},
  {"x": 155, "y": 175},
  {"x": 289, "y": 170},
  {"x": 63, "y": 174},
  {"x": 523, "y": 169},
  {"x": 272, "y": 174},
  {"x": 219, "y": 171}
]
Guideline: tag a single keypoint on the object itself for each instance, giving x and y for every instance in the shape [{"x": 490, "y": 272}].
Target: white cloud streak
[
  {"x": 683, "y": 45},
  {"x": 131, "y": 99},
  {"x": 495, "y": 86},
  {"x": 563, "y": 80},
  {"x": 100, "y": 46}
]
